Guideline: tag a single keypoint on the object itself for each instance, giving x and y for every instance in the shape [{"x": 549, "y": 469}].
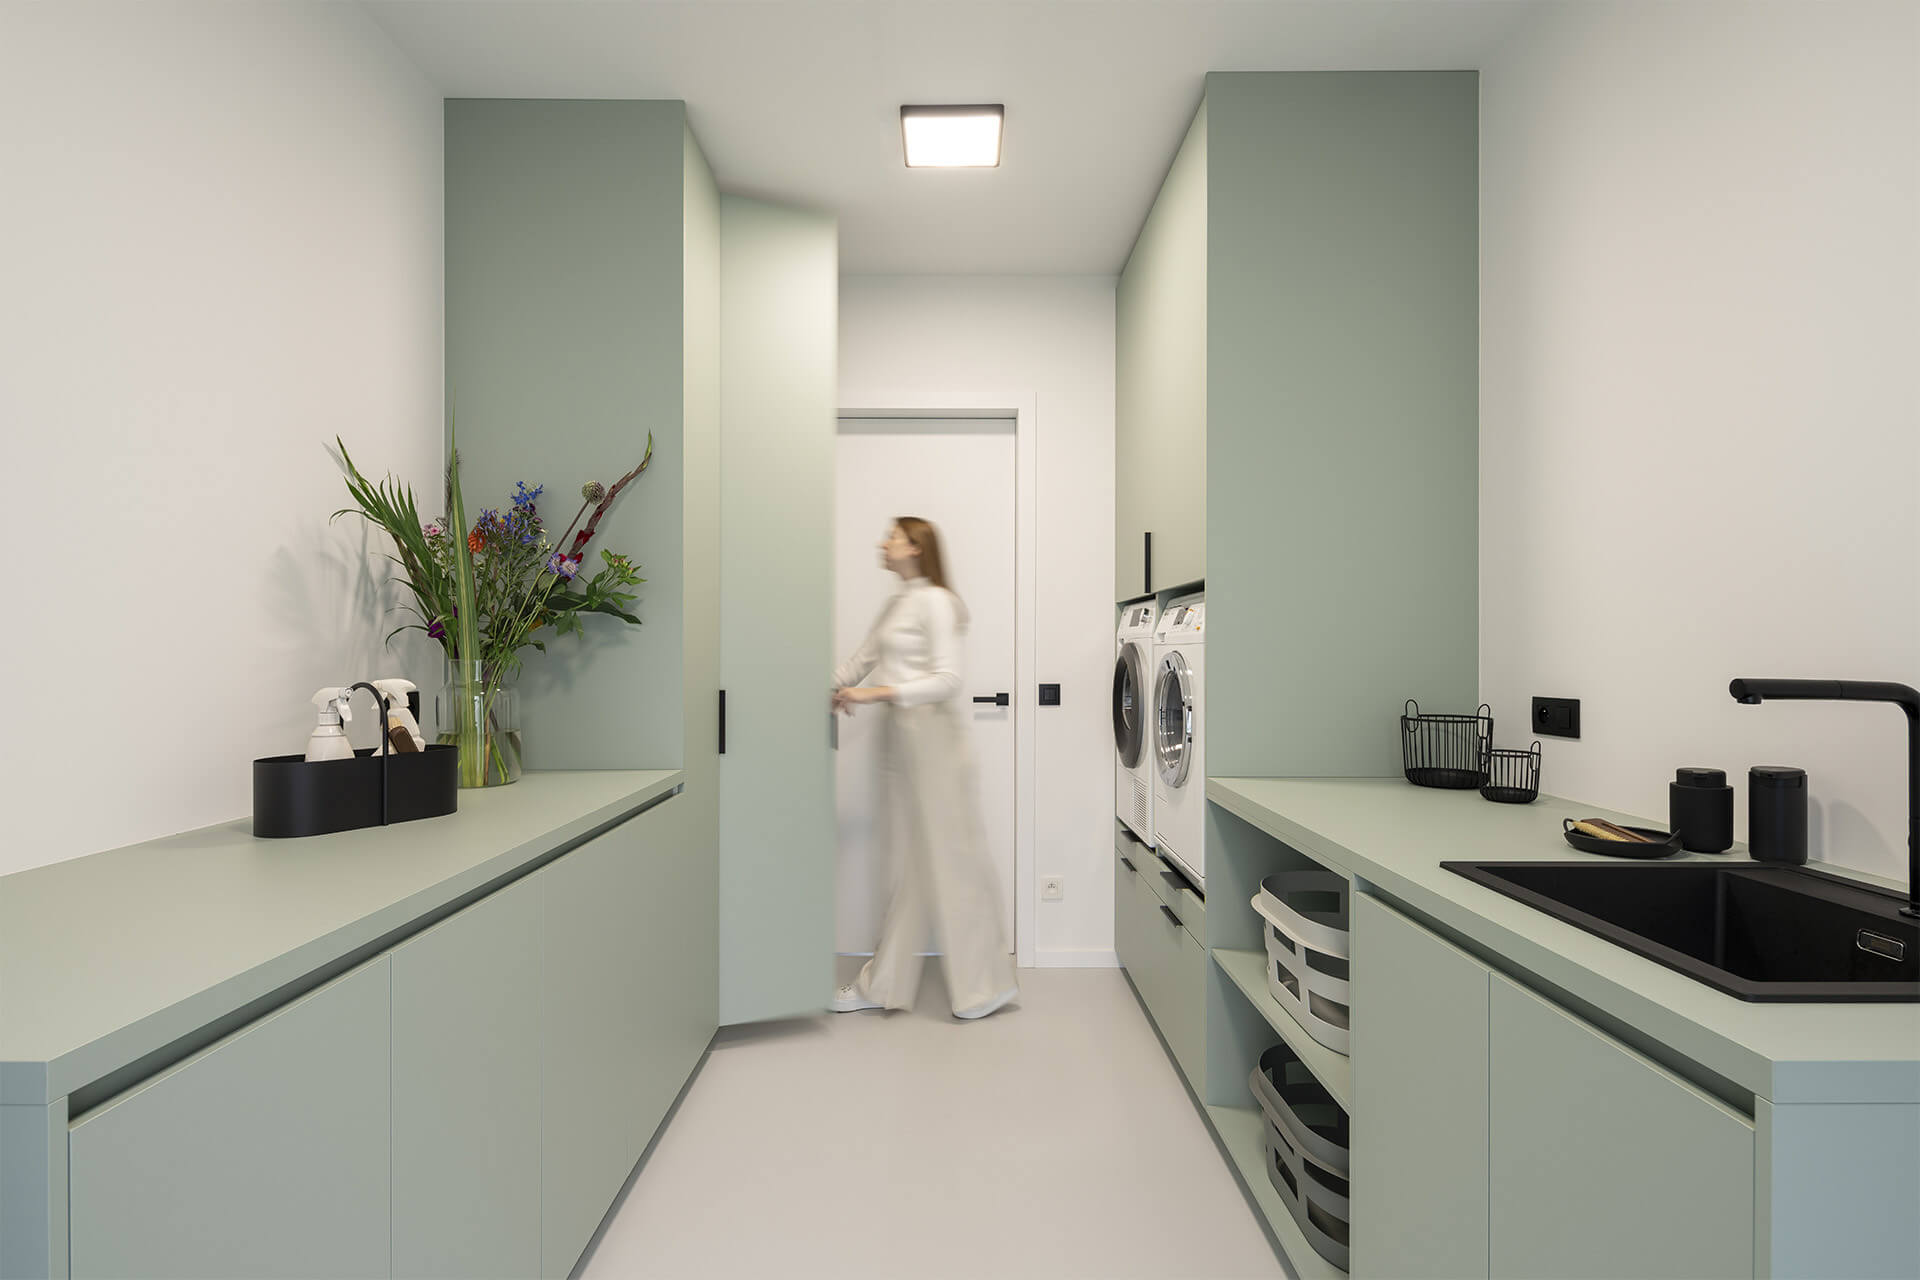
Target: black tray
[{"x": 1668, "y": 846}]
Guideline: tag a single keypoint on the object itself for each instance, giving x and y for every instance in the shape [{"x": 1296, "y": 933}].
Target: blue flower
[
  {"x": 523, "y": 497},
  {"x": 563, "y": 566}
]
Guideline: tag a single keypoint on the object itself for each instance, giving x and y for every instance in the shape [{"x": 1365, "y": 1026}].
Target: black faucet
[{"x": 1754, "y": 692}]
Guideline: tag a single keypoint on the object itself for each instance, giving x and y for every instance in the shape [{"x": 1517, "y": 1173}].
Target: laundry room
[{"x": 1173, "y": 639}]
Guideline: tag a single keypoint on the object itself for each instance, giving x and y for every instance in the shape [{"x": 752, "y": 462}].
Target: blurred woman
[{"x": 929, "y": 815}]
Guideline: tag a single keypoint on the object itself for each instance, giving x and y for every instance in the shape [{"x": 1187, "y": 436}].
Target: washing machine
[
  {"x": 1133, "y": 718},
  {"x": 1179, "y": 737}
]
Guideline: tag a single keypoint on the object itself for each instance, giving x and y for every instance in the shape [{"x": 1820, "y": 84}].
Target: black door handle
[
  {"x": 1128, "y": 864},
  {"x": 996, "y": 699},
  {"x": 1168, "y": 913}
]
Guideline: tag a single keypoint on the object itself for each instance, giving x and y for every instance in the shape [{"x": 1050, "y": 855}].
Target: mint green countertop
[
  {"x": 1395, "y": 836},
  {"x": 107, "y": 958}
]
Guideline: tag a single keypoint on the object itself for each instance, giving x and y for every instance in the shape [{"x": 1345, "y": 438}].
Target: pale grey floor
[{"x": 1053, "y": 1139}]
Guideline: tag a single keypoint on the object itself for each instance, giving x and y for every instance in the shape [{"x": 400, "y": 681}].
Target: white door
[{"x": 959, "y": 474}]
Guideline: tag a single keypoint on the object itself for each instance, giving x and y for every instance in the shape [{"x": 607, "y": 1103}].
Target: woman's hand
[{"x": 847, "y": 699}]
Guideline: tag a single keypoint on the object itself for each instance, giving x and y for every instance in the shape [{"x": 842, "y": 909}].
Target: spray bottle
[
  {"x": 403, "y": 731},
  {"x": 328, "y": 740}
]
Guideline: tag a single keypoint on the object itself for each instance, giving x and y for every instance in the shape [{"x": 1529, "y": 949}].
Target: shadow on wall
[
  {"x": 569, "y": 659},
  {"x": 335, "y": 601}
]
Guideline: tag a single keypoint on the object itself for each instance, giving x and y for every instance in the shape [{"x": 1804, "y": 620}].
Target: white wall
[
  {"x": 221, "y": 242},
  {"x": 1700, "y": 438},
  {"x": 1051, "y": 337}
]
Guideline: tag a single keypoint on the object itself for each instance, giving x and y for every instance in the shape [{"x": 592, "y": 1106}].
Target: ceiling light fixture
[{"x": 952, "y": 137}]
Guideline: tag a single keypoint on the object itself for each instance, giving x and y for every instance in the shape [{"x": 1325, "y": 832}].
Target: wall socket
[
  {"x": 1053, "y": 889},
  {"x": 1557, "y": 717}
]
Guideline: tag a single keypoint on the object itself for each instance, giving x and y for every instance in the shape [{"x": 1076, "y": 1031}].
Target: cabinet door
[
  {"x": 1160, "y": 383},
  {"x": 671, "y": 979},
  {"x": 1127, "y": 920},
  {"x": 779, "y": 285},
  {"x": 593, "y": 1029},
  {"x": 267, "y": 1155},
  {"x": 466, "y": 1091},
  {"x": 1602, "y": 1163},
  {"x": 1420, "y": 1100}
]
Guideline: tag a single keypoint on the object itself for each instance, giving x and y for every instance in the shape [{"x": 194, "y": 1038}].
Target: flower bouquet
[{"x": 486, "y": 591}]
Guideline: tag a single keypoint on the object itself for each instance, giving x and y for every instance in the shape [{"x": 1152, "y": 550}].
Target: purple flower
[
  {"x": 435, "y": 630},
  {"x": 563, "y": 566}
]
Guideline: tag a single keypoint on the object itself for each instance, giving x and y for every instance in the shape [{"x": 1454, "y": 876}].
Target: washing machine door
[
  {"x": 1129, "y": 706},
  {"x": 1173, "y": 720}
]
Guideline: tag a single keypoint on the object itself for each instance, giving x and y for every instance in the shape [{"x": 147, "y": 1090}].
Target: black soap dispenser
[
  {"x": 1777, "y": 814},
  {"x": 1700, "y": 810}
]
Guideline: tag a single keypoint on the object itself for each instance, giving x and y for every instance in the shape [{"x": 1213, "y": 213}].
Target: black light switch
[{"x": 1049, "y": 695}]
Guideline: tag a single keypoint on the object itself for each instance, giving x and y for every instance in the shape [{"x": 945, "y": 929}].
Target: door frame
[{"x": 1019, "y": 406}]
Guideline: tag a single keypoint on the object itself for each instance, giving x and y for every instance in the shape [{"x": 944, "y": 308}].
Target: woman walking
[{"x": 929, "y": 816}]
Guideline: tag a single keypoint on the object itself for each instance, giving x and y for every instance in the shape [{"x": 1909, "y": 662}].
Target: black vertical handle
[
  {"x": 723, "y": 722},
  {"x": 1147, "y": 561},
  {"x": 386, "y": 740}
]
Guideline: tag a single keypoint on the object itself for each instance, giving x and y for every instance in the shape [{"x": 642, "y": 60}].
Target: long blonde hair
[{"x": 933, "y": 566}]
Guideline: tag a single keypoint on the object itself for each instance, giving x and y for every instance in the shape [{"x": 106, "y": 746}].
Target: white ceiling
[{"x": 798, "y": 100}]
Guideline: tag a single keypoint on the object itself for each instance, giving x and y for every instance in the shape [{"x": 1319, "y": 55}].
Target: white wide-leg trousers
[{"x": 944, "y": 882}]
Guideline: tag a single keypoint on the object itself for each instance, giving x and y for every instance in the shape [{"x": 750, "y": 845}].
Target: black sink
[{"x": 1759, "y": 933}]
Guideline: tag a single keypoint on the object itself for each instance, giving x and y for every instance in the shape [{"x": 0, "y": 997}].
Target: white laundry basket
[
  {"x": 1307, "y": 944},
  {"x": 1308, "y": 1150}
]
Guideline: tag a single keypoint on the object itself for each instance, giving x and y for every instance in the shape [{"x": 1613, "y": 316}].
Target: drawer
[
  {"x": 1167, "y": 964},
  {"x": 1168, "y": 885},
  {"x": 1129, "y": 921},
  {"x": 1179, "y": 895}
]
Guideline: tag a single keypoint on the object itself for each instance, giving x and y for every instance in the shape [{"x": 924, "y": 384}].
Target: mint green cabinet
[
  {"x": 671, "y": 983},
  {"x": 1167, "y": 963},
  {"x": 466, "y": 1091},
  {"x": 1420, "y": 1100},
  {"x": 1160, "y": 384},
  {"x": 629, "y": 995},
  {"x": 592, "y": 1032},
  {"x": 1602, "y": 1163},
  {"x": 779, "y": 312},
  {"x": 266, "y": 1155}
]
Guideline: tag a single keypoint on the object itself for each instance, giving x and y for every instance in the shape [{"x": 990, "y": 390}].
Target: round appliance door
[
  {"x": 1129, "y": 706},
  {"x": 1173, "y": 720}
]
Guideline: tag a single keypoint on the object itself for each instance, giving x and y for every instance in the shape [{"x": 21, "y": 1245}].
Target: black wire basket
[
  {"x": 1513, "y": 777},
  {"x": 1450, "y": 752}
]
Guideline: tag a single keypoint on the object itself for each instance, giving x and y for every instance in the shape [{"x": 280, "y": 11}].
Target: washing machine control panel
[
  {"x": 1183, "y": 622},
  {"x": 1137, "y": 621}
]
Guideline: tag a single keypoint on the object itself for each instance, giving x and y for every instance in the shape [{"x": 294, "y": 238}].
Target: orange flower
[{"x": 476, "y": 542}]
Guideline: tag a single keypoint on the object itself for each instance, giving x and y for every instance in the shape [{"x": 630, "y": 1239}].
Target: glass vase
[{"x": 478, "y": 712}]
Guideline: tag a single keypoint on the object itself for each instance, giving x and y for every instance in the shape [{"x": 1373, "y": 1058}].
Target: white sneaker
[
  {"x": 982, "y": 1010},
  {"x": 849, "y": 1000}
]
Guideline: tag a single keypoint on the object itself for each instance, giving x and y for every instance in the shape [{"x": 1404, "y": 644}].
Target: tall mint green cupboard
[
  {"x": 1297, "y": 409},
  {"x": 779, "y": 343},
  {"x": 601, "y": 290}
]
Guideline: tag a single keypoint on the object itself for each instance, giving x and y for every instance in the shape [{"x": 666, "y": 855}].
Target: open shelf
[
  {"x": 1248, "y": 970},
  {"x": 1239, "y": 1130}
]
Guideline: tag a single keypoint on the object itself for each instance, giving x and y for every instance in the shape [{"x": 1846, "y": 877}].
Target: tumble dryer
[
  {"x": 1179, "y": 737},
  {"x": 1132, "y": 718}
]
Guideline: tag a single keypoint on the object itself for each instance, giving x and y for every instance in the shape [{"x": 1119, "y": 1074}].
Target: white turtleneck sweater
[{"x": 914, "y": 647}]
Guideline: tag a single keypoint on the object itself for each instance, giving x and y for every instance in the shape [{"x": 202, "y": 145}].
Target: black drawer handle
[
  {"x": 1128, "y": 864},
  {"x": 996, "y": 699},
  {"x": 1168, "y": 913}
]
